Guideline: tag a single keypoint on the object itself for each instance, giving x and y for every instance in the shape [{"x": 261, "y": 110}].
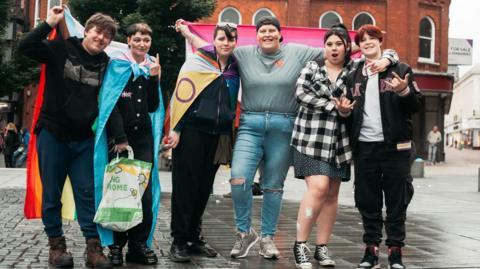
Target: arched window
[
  {"x": 230, "y": 14},
  {"x": 263, "y": 12},
  {"x": 52, "y": 3},
  {"x": 426, "y": 49},
  {"x": 328, "y": 19},
  {"x": 361, "y": 19}
]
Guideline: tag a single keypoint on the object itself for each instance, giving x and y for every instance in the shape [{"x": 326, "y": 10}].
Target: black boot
[
  {"x": 200, "y": 247},
  {"x": 115, "y": 255},
  {"x": 141, "y": 253},
  {"x": 179, "y": 253}
]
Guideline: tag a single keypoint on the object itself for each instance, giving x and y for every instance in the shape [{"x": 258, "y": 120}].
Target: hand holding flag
[{"x": 55, "y": 15}]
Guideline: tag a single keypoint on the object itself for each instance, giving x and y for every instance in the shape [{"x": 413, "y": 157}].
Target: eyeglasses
[{"x": 227, "y": 24}]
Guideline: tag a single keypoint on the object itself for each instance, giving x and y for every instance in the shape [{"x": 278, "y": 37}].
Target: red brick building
[{"x": 416, "y": 29}]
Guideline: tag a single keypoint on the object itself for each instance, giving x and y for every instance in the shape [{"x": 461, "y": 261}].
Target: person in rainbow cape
[
  {"x": 202, "y": 110},
  {"x": 131, "y": 114},
  {"x": 71, "y": 77}
]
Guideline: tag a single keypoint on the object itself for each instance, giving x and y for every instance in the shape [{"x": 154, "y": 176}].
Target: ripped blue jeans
[{"x": 261, "y": 135}]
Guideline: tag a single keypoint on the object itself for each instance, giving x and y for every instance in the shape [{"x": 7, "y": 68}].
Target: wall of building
[
  {"x": 399, "y": 19},
  {"x": 462, "y": 124}
]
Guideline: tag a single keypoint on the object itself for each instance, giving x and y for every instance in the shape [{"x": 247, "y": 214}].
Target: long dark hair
[{"x": 341, "y": 31}]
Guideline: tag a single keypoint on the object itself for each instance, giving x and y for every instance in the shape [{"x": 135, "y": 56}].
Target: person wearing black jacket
[
  {"x": 130, "y": 125},
  {"x": 11, "y": 144},
  {"x": 195, "y": 141},
  {"x": 381, "y": 138},
  {"x": 65, "y": 140}
]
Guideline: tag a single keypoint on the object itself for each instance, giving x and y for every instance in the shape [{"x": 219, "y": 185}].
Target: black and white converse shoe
[
  {"x": 301, "y": 252},
  {"x": 321, "y": 255}
]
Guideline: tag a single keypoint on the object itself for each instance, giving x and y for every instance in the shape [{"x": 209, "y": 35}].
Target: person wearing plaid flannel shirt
[{"x": 322, "y": 153}]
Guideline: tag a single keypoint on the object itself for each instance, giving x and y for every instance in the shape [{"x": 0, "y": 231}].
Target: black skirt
[{"x": 305, "y": 166}]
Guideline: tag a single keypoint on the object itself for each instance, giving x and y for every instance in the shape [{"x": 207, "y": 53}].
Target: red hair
[{"x": 371, "y": 30}]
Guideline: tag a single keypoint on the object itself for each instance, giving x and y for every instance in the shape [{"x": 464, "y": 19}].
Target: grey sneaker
[
  {"x": 321, "y": 255},
  {"x": 243, "y": 243},
  {"x": 268, "y": 249}
]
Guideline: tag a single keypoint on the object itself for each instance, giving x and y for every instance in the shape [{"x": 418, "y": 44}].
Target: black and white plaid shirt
[{"x": 319, "y": 131}]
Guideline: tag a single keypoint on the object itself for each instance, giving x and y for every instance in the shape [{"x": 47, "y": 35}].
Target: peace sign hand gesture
[
  {"x": 155, "y": 67},
  {"x": 398, "y": 84}
]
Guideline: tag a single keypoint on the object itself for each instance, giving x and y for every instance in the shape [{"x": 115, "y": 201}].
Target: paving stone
[{"x": 23, "y": 243}]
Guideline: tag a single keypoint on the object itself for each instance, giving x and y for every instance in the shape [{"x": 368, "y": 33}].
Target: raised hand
[
  {"x": 156, "y": 68},
  {"x": 182, "y": 27},
  {"x": 398, "y": 84},
  {"x": 55, "y": 15}
]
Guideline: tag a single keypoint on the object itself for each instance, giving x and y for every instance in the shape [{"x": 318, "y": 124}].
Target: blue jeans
[
  {"x": 432, "y": 153},
  {"x": 261, "y": 135},
  {"x": 57, "y": 159}
]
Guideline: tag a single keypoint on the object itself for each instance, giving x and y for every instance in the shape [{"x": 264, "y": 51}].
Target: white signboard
[{"x": 460, "y": 51}]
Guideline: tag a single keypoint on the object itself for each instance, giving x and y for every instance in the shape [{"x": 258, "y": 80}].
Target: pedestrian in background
[
  {"x": 12, "y": 142},
  {"x": 20, "y": 155},
  {"x": 434, "y": 138},
  {"x": 65, "y": 140}
]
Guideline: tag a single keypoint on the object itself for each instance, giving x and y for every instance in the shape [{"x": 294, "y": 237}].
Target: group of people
[
  {"x": 320, "y": 110},
  {"x": 314, "y": 108},
  {"x": 14, "y": 145}
]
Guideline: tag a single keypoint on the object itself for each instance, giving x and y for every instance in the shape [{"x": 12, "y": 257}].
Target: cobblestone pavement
[
  {"x": 429, "y": 244},
  {"x": 443, "y": 226}
]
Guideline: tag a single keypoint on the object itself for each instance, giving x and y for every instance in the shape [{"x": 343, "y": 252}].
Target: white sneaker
[{"x": 268, "y": 249}]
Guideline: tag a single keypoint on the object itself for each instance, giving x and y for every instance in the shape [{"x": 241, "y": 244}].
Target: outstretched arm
[{"x": 194, "y": 40}]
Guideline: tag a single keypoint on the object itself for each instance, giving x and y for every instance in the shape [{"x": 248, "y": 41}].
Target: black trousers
[
  {"x": 193, "y": 173},
  {"x": 381, "y": 173},
  {"x": 142, "y": 145}
]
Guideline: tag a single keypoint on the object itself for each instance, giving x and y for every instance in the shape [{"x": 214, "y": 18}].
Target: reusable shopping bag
[{"x": 124, "y": 182}]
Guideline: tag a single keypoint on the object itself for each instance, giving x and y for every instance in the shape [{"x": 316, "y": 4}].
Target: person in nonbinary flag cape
[
  {"x": 131, "y": 114},
  {"x": 201, "y": 123},
  {"x": 73, "y": 72}
]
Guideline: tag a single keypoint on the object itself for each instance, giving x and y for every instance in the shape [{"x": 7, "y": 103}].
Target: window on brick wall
[
  {"x": 230, "y": 14},
  {"x": 37, "y": 12},
  {"x": 328, "y": 19},
  {"x": 426, "y": 50},
  {"x": 263, "y": 12},
  {"x": 361, "y": 19}
]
